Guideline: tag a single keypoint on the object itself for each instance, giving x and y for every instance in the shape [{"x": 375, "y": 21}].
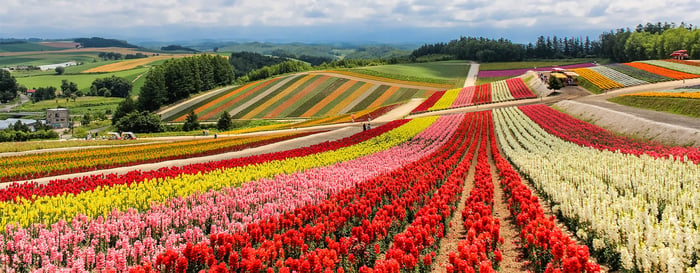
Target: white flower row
[
  {"x": 500, "y": 91},
  {"x": 617, "y": 76},
  {"x": 645, "y": 208}
]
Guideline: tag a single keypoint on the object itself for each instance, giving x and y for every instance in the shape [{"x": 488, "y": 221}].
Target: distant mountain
[{"x": 178, "y": 48}]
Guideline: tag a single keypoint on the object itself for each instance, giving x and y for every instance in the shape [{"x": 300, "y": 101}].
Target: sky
[{"x": 318, "y": 21}]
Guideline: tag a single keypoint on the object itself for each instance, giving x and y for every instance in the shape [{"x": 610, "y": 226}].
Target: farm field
[
  {"x": 449, "y": 72},
  {"x": 381, "y": 199},
  {"x": 81, "y": 105},
  {"x": 312, "y": 95},
  {"x": 524, "y": 187},
  {"x": 130, "y": 64},
  {"x": 82, "y": 80}
]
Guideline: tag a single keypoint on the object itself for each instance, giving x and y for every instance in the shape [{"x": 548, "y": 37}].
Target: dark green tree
[
  {"x": 8, "y": 86},
  {"x": 191, "y": 122},
  {"x": 60, "y": 70},
  {"x": 118, "y": 87},
  {"x": 44, "y": 93},
  {"x": 554, "y": 83},
  {"x": 153, "y": 92},
  {"x": 140, "y": 122},
  {"x": 69, "y": 89},
  {"x": 125, "y": 107},
  {"x": 224, "y": 122},
  {"x": 86, "y": 120}
]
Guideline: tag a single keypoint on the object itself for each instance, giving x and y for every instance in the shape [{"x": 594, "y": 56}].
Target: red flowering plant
[{"x": 548, "y": 248}]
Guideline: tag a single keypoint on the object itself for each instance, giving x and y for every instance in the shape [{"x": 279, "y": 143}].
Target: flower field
[
  {"x": 617, "y": 202},
  {"x": 310, "y": 95},
  {"x": 678, "y": 75},
  {"x": 32, "y": 166},
  {"x": 518, "y": 72},
  {"x": 596, "y": 78},
  {"x": 638, "y": 73},
  {"x": 616, "y": 76},
  {"x": 381, "y": 200},
  {"x": 498, "y": 91},
  {"x": 684, "y": 93},
  {"x": 683, "y": 67}
]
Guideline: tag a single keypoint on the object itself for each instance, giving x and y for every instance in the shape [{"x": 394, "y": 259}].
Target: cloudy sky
[{"x": 386, "y": 21}]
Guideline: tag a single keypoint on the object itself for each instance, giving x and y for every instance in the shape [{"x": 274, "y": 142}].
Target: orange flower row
[
  {"x": 662, "y": 71},
  {"x": 688, "y": 95}
]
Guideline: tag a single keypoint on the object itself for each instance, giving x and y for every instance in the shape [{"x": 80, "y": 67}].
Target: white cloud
[{"x": 496, "y": 14}]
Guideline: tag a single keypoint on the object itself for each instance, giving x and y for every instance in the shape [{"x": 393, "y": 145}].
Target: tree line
[
  {"x": 649, "y": 41},
  {"x": 102, "y": 42},
  {"x": 118, "y": 56},
  {"x": 177, "y": 79}
]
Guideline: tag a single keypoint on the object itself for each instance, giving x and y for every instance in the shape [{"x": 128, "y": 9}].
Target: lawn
[
  {"x": 490, "y": 79},
  {"x": 680, "y": 106},
  {"x": 84, "y": 81},
  {"x": 448, "y": 72},
  {"x": 538, "y": 63},
  {"x": 81, "y": 105}
]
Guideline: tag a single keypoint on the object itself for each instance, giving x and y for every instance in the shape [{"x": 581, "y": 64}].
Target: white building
[{"x": 53, "y": 66}]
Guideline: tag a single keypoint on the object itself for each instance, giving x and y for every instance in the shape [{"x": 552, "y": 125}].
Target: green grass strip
[{"x": 680, "y": 106}]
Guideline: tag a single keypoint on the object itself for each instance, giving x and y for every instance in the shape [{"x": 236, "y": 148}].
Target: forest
[{"x": 649, "y": 41}]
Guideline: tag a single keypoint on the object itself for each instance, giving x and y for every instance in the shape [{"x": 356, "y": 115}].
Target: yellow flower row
[
  {"x": 447, "y": 99},
  {"x": 597, "y": 79},
  {"x": 140, "y": 196},
  {"x": 688, "y": 95}
]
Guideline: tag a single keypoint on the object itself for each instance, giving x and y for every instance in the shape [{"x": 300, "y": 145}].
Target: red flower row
[
  {"x": 586, "y": 134},
  {"x": 428, "y": 103},
  {"x": 78, "y": 185},
  {"x": 552, "y": 250},
  {"x": 343, "y": 233},
  {"x": 416, "y": 245},
  {"x": 518, "y": 88},
  {"x": 478, "y": 251},
  {"x": 482, "y": 94}
]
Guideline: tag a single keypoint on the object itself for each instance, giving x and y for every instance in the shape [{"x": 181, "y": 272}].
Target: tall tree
[
  {"x": 8, "y": 86},
  {"x": 125, "y": 107},
  {"x": 224, "y": 122},
  {"x": 153, "y": 92},
  {"x": 191, "y": 122}
]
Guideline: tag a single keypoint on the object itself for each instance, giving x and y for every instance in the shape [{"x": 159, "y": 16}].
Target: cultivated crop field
[
  {"x": 83, "y": 80},
  {"x": 383, "y": 200}
]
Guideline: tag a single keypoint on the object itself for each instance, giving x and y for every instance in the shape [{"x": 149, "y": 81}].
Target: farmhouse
[
  {"x": 58, "y": 117},
  {"x": 53, "y": 66}
]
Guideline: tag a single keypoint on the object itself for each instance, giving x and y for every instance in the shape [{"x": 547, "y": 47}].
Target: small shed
[{"x": 58, "y": 118}]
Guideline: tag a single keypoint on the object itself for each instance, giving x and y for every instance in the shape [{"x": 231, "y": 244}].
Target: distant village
[{"x": 41, "y": 67}]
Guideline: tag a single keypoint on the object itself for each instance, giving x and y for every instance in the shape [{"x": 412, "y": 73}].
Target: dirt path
[
  {"x": 456, "y": 230},
  {"x": 399, "y": 112},
  {"x": 472, "y": 75},
  {"x": 510, "y": 249},
  {"x": 279, "y": 146}
]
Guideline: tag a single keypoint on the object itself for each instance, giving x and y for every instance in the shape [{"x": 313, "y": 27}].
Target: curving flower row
[
  {"x": 673, "y": 74},
  {"x": 617, "y": 76},
  {"x": 624, "y": 206},
  {"x": 692, "y": 94},
  {"x": 678, "y": 66},
  {"x": 638, "y": 73},
  {"x": 344, "y": 232},
  {"x": 139, "y": 196},
  {"x": 32, "y": 190},
  {"x": 498, "y": 91},
  {"x": 31, "y": 166},
  {"x": 586, "y": 134},
  {"x": 597, "y": 79},
  {"x": 138, "y": 236}
]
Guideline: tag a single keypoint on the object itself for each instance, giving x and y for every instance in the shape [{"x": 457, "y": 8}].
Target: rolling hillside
[{"x": 305, "y": 95}]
